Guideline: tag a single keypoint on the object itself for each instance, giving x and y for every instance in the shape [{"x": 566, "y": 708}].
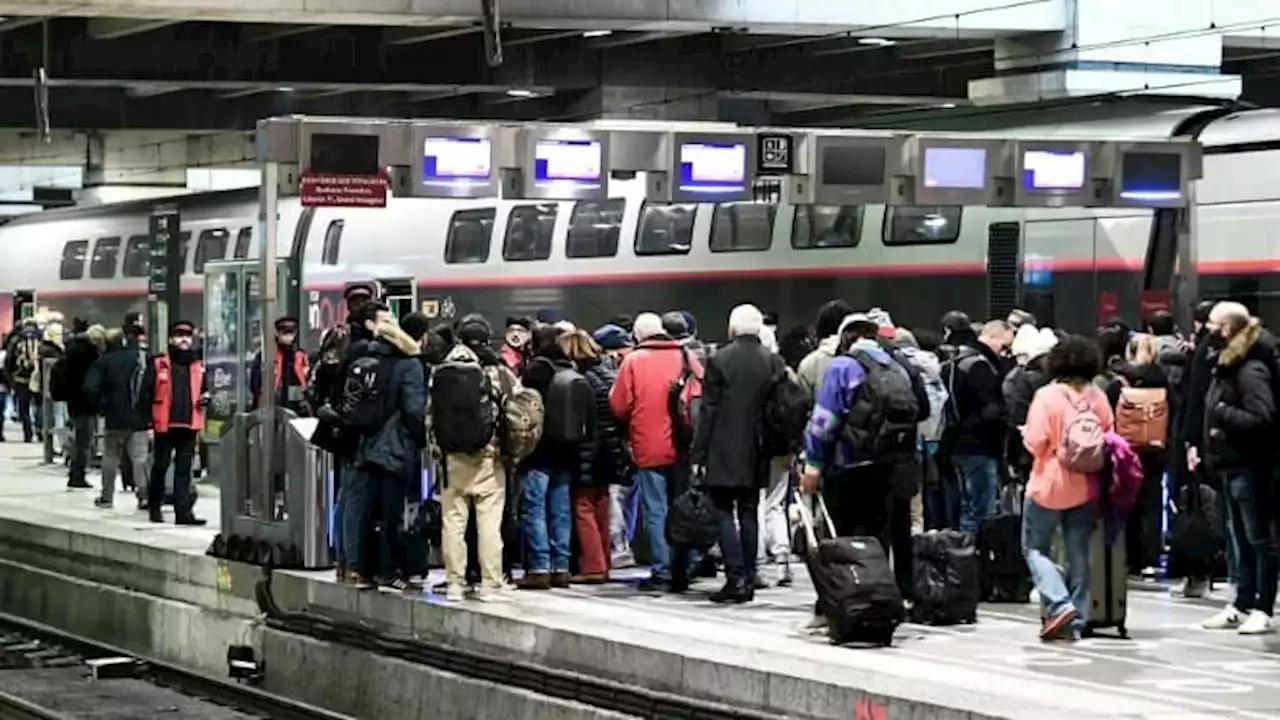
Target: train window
[
  {"x": 332, "y": 243},
  {"x": 594, "y": 228},
  {"x": 470, "y": 233},
  {"x": 105, "y": 254},
  {"x": 136, "y": 261},
  {"x": 936, "y": 225},
  {"x": 73, "y": 257},
  {"x": 243, "y": 240},
  {"x": 826, "y": 226},
  {"x": 212, "y": 245},
  {"x": 665, "y": 229},
  {"x": 529, "y": 230},
  {"x": 742, "y": 226}
]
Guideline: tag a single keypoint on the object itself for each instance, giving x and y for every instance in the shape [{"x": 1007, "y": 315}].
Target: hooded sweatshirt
[{"x": 814, "y": 366}]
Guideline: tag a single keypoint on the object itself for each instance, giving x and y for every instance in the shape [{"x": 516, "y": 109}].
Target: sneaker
[
  {"x": 654, "y": 584},
  {"x": 1054, "y": 624},
  {"x": 623, "y": 559},
  {"x": 1257, "y": 623},
  {"x": 455, "y": 593},
  {"x": 103, "y": 503},
  {"x": 816, "y": 625},
  {"x": 492, "y": 594},
  {"x": 1191, "y": 588},
  {"x": 1224, "y": 619}
]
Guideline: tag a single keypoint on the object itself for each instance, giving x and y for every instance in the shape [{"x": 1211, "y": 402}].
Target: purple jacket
[
  {"x": 823, "y": 446},
  {"x": 1122, "y": 490}
]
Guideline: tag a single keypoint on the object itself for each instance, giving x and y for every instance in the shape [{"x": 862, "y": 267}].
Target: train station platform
[{"x": 72, "y": 566}]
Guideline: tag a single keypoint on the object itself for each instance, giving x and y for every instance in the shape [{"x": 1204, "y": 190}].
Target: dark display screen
[
  {"x": 1151, "y": 176},
  {"x": 846, "y": 165},
  {"x": 335, "y": 154}
]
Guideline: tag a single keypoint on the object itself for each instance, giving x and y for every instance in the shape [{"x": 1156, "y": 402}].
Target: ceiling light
[
  {"x": 947, "y": 106},
  {"x": 597, "y": 33},
  {"x": 284, "y": 89},
  {"x": 520, "y": 93},
  {"x": 877, "y": 41}
]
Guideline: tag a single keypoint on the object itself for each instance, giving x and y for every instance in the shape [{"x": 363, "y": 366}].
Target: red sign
[
  {"x": 1108, "y": 306},
  {"x": 319, "y": 190},
  {"x": 1154, "y": 301}
]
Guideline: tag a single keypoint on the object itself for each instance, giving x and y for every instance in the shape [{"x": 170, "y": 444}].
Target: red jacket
[
  {"x": 301, "y": 371},
  {"x": 164, "y": 395},
  {"x": 513, "y": 359},
  {"x": 639, "y": 399}
]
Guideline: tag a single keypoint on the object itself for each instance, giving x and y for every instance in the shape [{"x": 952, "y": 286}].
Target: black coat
[
  {"x": 550, "y": 455},
  {"x": 109, "y": 389},
  {"x": 1195, "y": 385},
  {"x": 727, "y": 439},
  {"x": 1240, "y": 407},
  {"x": 81, "y": 354},
  {"x": 979, "y": 401},
  {"x": 610, "y": 460}
]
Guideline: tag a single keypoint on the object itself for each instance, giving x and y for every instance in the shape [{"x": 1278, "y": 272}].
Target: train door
[
  {"x": 24, "y": 306},
  {"x": 1059, "y": 260},
  {"x": 400, "y": 295}
]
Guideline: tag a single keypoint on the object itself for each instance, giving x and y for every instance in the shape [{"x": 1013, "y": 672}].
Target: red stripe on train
[{"x": 1217, "y": 267}]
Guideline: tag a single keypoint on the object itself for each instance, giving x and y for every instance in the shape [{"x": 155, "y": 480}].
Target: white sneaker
[
  {"x": 1225, "y": 619},
  {"x": 455, "y": 593},
  {"x": 492, "y": 594},
  {"x": 624, "y": 559},
  {"x": 1258, "y": 623},
  {"x": 1033, "y": 597},
  {"x": 816, "y": 625}
]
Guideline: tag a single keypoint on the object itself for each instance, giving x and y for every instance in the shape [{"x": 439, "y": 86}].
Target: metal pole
[
  {"x": 1186, "y": 286},
  {"x": 269, "y": 218}
]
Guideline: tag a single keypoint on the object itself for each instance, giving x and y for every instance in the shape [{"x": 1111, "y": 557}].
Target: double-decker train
[{"x": 593, "y": 259}]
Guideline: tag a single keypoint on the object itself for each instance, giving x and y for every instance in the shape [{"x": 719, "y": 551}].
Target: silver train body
[{"x": 595, "y": 259}]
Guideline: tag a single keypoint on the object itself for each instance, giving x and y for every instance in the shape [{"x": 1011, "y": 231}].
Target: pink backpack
[{"x": 1083, "y": 447}]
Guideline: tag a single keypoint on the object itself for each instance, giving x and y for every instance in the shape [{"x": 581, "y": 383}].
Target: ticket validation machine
[{"x": 400, "y": 296}]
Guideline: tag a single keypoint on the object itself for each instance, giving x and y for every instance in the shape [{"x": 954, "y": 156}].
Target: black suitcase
[
  {"x": 946, "y": 578},
  {"x": 1004, "y": 576},
  {"x": 1108, "y": 583},
  {"x": 857, "y": 592}
]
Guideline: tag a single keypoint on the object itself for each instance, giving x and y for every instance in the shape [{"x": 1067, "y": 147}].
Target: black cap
[
  {"x": 182, "y": 327},
  {"x": 287, "y": 324},
  {"x": 520, "y": 321},
  {"x": 675, "y": 325},
  {"x": 359, "y": 290}
]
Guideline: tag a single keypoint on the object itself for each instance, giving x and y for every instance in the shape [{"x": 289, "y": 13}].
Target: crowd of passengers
[{"x": 550, "y": 451}]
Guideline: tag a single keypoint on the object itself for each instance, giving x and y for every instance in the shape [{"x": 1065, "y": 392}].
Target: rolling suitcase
[
  {"x": 1108, "y": 583},
  {"x": 946, "y": 578},
  {"x": 1003, "y": 572}
]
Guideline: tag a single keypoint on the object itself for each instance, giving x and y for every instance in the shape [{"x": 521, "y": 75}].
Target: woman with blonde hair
[{"x": 1138, "y": 392}]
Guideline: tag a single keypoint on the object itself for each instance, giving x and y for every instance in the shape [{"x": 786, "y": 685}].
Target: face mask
[
  {"x": 1216, "y": 341},
  {"x": 517, "y": 338}
]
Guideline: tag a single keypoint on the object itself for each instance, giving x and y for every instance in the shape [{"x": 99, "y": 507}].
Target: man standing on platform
[{"x": 177, "y": 416}]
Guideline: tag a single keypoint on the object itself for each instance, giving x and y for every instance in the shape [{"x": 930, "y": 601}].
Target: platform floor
[{"x": 1170, "y": 670}]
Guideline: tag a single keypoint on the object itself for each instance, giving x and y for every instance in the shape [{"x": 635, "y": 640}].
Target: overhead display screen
[
  {"x": 1053, "y": 170},
  {"x": 709, "y": 167},
  {"x": 456, "y": 159},
  {"x": 574, "y": 161},
  {"x": 1151, "y": 176},
  {"x": 341, "y": 154},
  {"x": 955, "y": 168},
  {"x": 853, "y": 165}
]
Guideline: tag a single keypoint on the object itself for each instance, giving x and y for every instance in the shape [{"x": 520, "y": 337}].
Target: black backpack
[
  {"x": 364, "y": 393},
  {"x": 786, "y": 413},
  {"x": 568, "y": 406},
  {"x": 464, "y": 414},
  {"x": 882, "y": 424}
]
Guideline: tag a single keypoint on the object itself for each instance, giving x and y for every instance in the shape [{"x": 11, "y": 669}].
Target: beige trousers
[{"x": 478, "y": 479}]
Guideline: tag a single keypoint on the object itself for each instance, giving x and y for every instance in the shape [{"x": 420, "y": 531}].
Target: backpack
[
  {"x": 786, "y": 413},
  {"x": 882, "y": 424},
  {"x": 464, "y": 412},
  {"x": 569, "y": 402},
  {"x": 58, "y": 380},
  {"x": 1142, "y": 416},
  {"x": 682, "y": 410},
  {"x": 953, "y": 372},
  {"x": 364, "y": 391},
  {"x": 1082, "y": 447},
  {"x": 523, "y": 415}
]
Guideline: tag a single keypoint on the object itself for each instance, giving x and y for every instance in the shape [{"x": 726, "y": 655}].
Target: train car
[{"x": 593, "y": 259}]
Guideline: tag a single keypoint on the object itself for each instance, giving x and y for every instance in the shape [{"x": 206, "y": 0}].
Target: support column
[{"x": 1113, "y": 47}]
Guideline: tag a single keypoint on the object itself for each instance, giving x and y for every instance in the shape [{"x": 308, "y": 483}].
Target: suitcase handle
[{"x": 806, "y": 519}]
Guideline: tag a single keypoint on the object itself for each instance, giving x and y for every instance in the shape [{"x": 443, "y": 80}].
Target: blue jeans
[
  {"x": 1038, "y": 527},
  {"x": 978, "y": 482},
  {"x": 653, "y": 505},
  {"x": 546, "y": 520},
  {"x": 1249, "y": 532},
  {"x": 358, "y": 492}
]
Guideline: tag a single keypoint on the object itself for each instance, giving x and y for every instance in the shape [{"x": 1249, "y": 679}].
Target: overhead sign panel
[
  {"x": 712, "y": 168},
  {"x": 455, "y": 161},
  {"x": 853, "y": 169},
  {"x": 344, "y": 163},
  {"x": 559, "y": 163},
  {"x": 957, "y": 171},
  {"x": 1059, "y": 173}
]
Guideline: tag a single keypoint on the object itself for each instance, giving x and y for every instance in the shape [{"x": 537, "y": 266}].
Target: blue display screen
[
  {"x": 447, "y": 159},
  {"x": 1053, "y": 170},
  {"x": 573, "y": 161},
  {"x": 1151, "y": 176},
  {"x": 711, "y": 167}
]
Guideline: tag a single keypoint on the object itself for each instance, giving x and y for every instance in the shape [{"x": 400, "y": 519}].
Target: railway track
[{"x": 42, "y": 669}]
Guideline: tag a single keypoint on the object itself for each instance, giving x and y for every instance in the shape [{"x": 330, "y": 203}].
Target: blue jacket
[{"x": 823, "y": 446}]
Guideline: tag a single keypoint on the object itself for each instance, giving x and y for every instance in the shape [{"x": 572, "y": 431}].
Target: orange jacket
[
  {"x": 301, "y": 370},
  {"x": 160, "y": 407}
]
